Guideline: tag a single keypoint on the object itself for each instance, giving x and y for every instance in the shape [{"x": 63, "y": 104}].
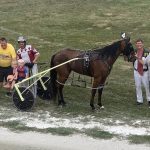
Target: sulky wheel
[
  {"x": 44, "y": 94},
  {"x": 28, "y": 99}
]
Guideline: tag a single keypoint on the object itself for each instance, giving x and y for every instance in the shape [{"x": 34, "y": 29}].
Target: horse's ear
[{"x": 123, "y": 35}]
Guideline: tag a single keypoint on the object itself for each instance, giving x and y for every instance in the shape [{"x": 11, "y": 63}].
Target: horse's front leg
[
  {"x": 93, "y": 92},
  {"x": 94, "y": 89},
  {"x": 99, "y": 97}
]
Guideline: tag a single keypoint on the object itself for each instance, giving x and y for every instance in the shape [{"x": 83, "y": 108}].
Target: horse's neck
[{"x": 111, "y": 60}]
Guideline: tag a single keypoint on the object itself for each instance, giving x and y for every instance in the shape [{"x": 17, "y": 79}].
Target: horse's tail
[{"x": 53, "y": 76}]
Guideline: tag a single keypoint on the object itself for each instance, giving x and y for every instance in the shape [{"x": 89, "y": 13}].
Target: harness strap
[
  {"x": 143, "y": 69},
  {"x": 99, "y": 87},
  {"x": 86, "y": 62}
]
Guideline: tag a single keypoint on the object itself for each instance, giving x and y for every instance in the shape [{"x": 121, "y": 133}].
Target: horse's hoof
[
  {"x": 60, "y": 106},
  {"x": 64, "y": 103},
  {"x": 101, "y": 107},
  {"x": 93, "y": 109},
  {"x": 92, "y": 106}
]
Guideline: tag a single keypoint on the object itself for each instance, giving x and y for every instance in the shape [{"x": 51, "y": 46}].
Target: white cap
[
  {"x": 21, "y": 39},
  {"x": 123, "y": 35}
]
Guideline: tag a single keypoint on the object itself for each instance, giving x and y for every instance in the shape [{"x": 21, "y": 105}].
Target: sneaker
[
  {"x": 149, "y": 104},
  {"x": 8, "y": 94},
  {"x": 138, "y": 103}
]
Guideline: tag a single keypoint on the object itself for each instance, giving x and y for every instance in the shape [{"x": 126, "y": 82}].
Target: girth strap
[{"x": 86, "y": 63}]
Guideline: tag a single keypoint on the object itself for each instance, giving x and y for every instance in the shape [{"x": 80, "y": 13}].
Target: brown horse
[{"x": 96, "y": 63}]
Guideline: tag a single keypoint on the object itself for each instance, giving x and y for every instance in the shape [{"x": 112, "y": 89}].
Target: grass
[
  {"x": 139, "y": 139},
  {"x": 51, "y": 25},
  {"x": 96, "y": 133}
]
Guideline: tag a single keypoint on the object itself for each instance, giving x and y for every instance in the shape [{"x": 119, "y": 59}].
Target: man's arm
[
  {"x": 36, "y": 58},
  {"x": 13, "y": 54}
]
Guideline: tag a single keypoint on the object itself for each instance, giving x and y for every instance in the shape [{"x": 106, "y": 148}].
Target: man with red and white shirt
[{"x": 29, "y": 54}]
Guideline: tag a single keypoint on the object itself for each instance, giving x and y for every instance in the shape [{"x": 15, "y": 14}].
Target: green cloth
[{"x": 146, "y": 52}]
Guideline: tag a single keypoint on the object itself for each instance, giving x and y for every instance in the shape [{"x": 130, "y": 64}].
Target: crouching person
[
  {"x": 22, "y": 71},
  {"x": 11, "y": 79}
]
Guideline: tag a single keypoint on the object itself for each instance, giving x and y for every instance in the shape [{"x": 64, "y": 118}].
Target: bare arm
[
  {"x": 16, "y": 75},
  {"x": 140, "y": 60},
  {"x": 36, "y": 58},
  {"x": 14, "y": 60}
]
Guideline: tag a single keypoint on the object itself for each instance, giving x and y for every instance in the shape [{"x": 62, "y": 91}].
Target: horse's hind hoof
[
  {"x": 60, "y": 106},
  {"x": 92, "y": 106}
]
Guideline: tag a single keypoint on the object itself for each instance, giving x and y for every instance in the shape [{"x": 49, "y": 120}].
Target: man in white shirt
[{"x": 30, "y": 56}]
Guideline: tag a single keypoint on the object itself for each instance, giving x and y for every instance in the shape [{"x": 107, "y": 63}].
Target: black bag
[{"x": 29, "y": 65}]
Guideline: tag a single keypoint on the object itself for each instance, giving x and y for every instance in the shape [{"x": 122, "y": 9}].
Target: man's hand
[{"x": 29, "y": 65}]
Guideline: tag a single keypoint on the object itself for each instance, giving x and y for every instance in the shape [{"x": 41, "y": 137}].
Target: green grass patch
[
  {"x": 19, "y": 127},
  {"x": 60, "y": 131},
  {"x": 97, "y": 133},
  {"x": 139, "y": 139}
]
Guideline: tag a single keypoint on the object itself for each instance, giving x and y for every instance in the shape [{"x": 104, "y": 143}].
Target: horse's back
[
  {"x": 66, "y": 54},
  {"x": 70, "y": 53}
]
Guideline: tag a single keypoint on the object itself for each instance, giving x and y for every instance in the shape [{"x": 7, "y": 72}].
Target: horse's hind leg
[
  {"x": 60, "y": 96},
  {"x": 61, "y": 81}
]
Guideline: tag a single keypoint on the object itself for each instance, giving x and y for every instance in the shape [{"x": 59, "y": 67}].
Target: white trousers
[
  {"x": 139, "y": 81},
  {"x": 34, "y": 71}
]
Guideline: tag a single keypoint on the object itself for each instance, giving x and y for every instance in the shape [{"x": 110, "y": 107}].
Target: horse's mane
[{"x": 109, "y": 50}]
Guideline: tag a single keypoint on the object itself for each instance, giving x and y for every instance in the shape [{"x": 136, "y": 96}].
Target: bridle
[{"x": 128, "y": 50}]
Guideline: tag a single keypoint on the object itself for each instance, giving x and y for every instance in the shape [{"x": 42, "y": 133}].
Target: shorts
[
  {"x": 20, "y": 79},
  {"x": 4, "y": 72}
]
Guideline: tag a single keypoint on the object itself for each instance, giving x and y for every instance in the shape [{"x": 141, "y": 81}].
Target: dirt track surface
[{"x": 37, "y": 141}]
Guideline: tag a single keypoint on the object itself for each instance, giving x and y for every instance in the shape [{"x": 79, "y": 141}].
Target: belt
[{"x": 143, "y": 69}]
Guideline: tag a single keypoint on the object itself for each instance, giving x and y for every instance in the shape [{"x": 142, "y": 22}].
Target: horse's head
[{"x": 127, "y": 49}]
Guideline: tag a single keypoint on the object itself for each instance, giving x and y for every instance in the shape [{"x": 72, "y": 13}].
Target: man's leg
[
  {"x": 1, "y": 77},
  {"x": 146, "y": 86},
  {"x": 1, "y": 84},
  {"x": 138, "y": 85},
  {"x": 35, "y": 71}
]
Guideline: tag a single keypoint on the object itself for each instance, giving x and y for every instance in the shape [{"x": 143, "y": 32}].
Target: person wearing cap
[
  {"x": 7, "y": 56},
  {"x": 30, "y": 56}
]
